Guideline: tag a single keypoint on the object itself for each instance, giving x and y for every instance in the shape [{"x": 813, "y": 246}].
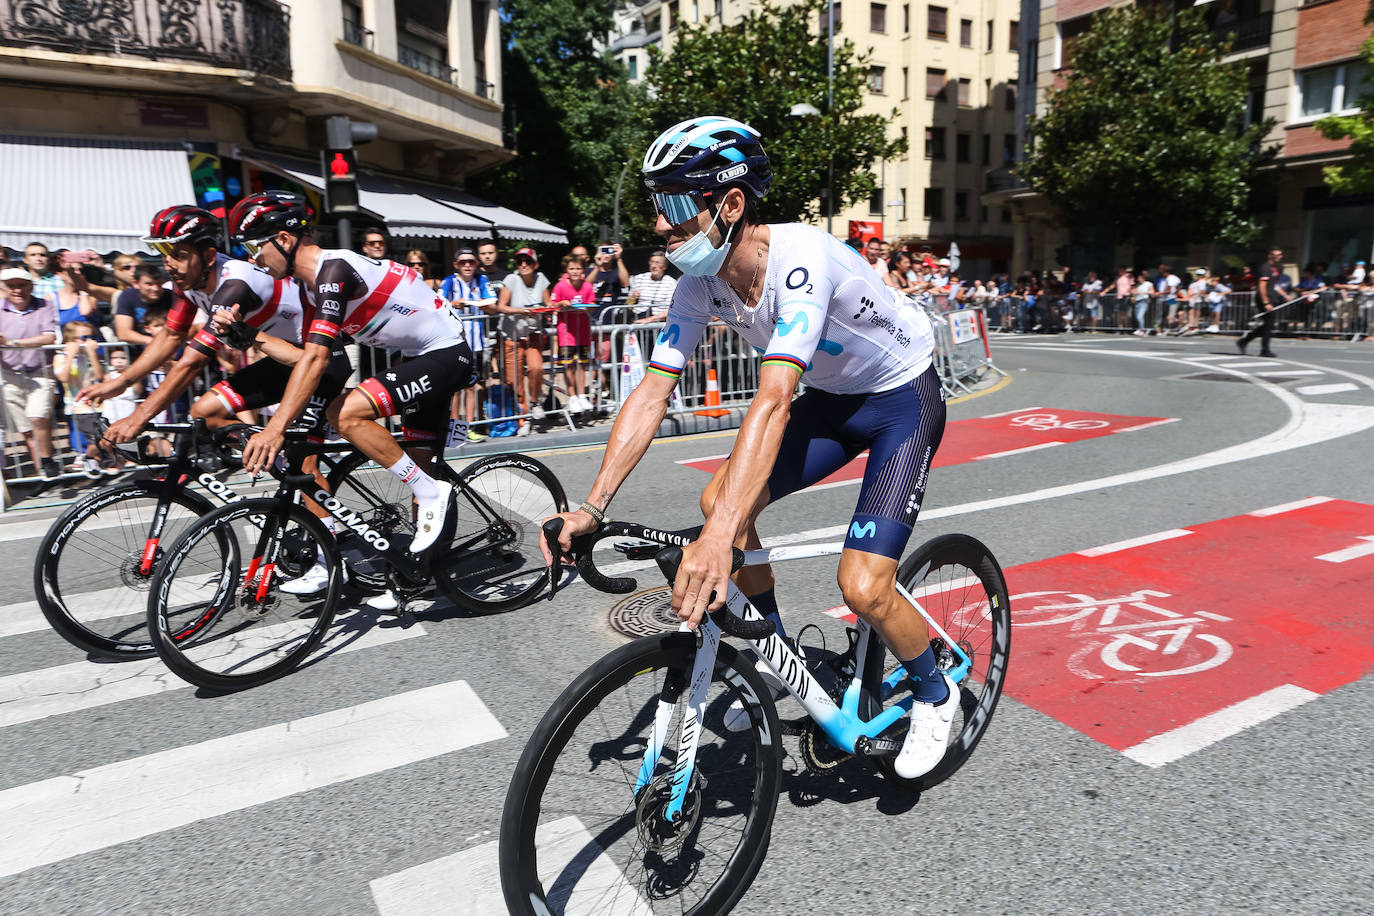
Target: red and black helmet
[
  {"x": 262, "y": 215},
  {"x": 183, "y": 223}
]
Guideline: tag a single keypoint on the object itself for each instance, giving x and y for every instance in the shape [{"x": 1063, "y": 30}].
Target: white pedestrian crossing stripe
[{"x": 55, "y": 819}]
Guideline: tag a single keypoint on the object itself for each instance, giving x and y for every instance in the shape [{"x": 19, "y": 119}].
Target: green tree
[
  {"x": 1145, "y": 139},
  {"x": 1355, "y": 176},
  {"x": 572, "y": 107},
  {"x": 755, "y": 71}
]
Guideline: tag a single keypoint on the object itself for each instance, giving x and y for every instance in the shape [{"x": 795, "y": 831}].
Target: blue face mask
[{"x": 696, "y": 257}]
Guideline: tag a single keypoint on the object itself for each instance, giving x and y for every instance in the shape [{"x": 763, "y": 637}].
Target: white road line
[
  {"x": 1290, "y": 507},
  {"x": 1201, "y": 358},
  {"x": 1007, "y": 413},
  {"x": 1337, "y": 388},
  {"x": 55, "y": 819},
  {"x": 468, "y": 883},
  {"x": 1290, "y": 373},
  {"x": 46, "y": 692},
  {"x": 1131, "y": 429},
  {"x": 702, "y": 458},
  {"x": 1134, "y": 542},
  {"x": 1018, "y": 451},
  {"x": 1351, "y": 553},
  {"x": 36, "y": 528},
  {"x": 1246, "y": 364},
  {"x": 1158, "y": 750},
  {"x": 26, "y": 617}
]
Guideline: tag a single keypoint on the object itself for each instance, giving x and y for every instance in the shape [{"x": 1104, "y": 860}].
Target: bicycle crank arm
[{"x": 877, "y": 747}]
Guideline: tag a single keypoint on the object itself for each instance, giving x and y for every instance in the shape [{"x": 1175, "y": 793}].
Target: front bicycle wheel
[
  {"x": 959, "y": 583},
  {"x": 576, "y": 836},
  {"x": 97, "y": 562},
  {"x": 493, "y": 562},
  {"x": 220, "y": 619}
]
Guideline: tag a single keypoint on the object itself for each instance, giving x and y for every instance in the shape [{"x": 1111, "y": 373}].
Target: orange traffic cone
[{"x": 712, "y": 396}]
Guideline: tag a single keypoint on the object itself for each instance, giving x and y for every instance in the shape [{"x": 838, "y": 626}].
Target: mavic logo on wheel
[{"x": 866, "y": 530}]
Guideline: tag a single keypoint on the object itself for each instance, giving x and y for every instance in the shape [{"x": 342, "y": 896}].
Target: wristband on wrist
[{"x": 594, "y": 512}]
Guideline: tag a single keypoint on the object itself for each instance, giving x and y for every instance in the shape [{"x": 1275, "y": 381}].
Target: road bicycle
[
  {"x": 606, "y": 814},
  {"x": 217, "y": 611},
  {"x": 97, "y": 560}
]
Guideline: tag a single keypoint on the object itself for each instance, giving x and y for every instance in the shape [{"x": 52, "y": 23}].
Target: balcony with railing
[
  {"x": 424, "y": 63},
  {"x": 355, "y": 34},
  {"x": 251, "y": 35},
  {"x": 1250, "y": 31}
]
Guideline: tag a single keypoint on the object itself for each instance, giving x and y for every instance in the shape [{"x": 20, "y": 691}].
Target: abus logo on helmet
[{"x": 732, "y": 173}]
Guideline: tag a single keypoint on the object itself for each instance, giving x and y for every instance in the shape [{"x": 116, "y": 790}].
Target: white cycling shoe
[
  {"x": 315, "y": 580},
  {"x": 386, "y": 601},
  {"x": 429, "y": 519},
  {"x": 928, "y": 736},
  {"x": 736, "y": 717}
]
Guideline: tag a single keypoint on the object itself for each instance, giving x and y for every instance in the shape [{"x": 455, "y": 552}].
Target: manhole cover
[
  {"x": 1212, "y": 377},
  {"x": 645, "y": 613}
]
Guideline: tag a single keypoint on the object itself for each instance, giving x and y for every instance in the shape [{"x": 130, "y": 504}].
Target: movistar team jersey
[
  {"x": 379, "y": 303},
  {"x": 191, "y": 307},
  {"x": 824, "y": 311},
  {"x": 273, "y": 306}
]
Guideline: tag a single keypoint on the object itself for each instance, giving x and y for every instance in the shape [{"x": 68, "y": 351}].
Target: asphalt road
[{"x": 170, "y": 802}]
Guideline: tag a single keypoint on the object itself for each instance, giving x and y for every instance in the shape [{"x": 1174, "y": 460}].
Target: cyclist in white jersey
[
  {"x": 379, "y": 303},
  {"x": 814, "y": 308},
  {"x": 188, "y": 238}
]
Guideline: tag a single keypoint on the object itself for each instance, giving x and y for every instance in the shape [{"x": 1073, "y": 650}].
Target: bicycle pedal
[{"x": 878, "y": 747}]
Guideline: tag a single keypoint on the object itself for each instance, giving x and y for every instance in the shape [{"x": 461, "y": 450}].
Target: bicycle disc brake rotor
[
  {"x": 131, "y": 571},
  {"x": 656, "y": 832},
  {"x": 251, "y": 608}
]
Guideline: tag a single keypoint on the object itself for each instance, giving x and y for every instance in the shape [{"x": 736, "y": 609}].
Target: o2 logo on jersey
[
  {"x": 799, "y": 321},
  {"x": 798, "y": 278},
  {"x": 670, "y": 334}
]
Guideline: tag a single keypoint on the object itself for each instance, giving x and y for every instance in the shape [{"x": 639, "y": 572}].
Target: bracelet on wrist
[{"x": 594, "y": 512}]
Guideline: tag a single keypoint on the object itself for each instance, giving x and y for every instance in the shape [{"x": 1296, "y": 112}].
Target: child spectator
[
  {"x": 75, "y": 367},
  {"x": 574, "y": 330}
]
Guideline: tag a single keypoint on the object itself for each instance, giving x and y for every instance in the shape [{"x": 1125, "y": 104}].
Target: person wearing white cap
[{"x": 27, "y": 323}]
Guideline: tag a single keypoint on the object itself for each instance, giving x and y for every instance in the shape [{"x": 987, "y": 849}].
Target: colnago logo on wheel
[{"x": 1130, "y": 634}]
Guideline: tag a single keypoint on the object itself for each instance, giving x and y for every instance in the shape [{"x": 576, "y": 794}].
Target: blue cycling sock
[
  {"x": 766, "y": 603},
  {"x": 930, "y": 684}
]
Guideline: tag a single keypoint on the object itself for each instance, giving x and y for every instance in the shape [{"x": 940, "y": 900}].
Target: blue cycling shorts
[{"x": 901, "y": 429}]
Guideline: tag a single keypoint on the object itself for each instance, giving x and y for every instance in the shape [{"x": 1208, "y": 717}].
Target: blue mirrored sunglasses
[{"x": 678, "y": 208}]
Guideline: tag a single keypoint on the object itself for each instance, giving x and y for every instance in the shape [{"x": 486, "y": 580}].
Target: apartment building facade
[
  {"x": 1303, "y": 61},
  {"x": 950, "y": 72},
  {"x": 115, "y": 110}
]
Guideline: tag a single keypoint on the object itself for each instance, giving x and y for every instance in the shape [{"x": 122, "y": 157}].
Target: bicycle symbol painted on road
[
  {"x": 1046, "y": 421},
  {"x": 1130, "y": 634}
]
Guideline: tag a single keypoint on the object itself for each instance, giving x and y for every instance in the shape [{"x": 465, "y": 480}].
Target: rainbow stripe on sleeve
[
  {"x": 782, "y": 359},
  {"x": 665, "y": 371}
]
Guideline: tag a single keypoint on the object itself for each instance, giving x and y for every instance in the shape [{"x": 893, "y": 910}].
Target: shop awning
[
  {"x": 84, "y": 193},
  {"x": 417, "y": 209},
  {"x": 405, "y": 212}
]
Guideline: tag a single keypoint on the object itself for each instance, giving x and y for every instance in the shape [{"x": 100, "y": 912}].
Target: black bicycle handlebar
[{"x": 668, "y": 557}]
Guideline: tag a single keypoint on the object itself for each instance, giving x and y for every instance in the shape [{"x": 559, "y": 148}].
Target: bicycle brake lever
[{"x": 553, "y": 530}]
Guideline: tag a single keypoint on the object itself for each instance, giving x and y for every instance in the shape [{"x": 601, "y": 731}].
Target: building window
[
  {"x": 983, "y": 213},
  {"x": 935, "y": 143},
  {"x": 837, "y": 15},
  {"x": 990, "y": 30},
  {"x": 1067, "y": 35},
  {"x": 965, "y": 33},
  {"x": 672, "y": 16},
  {"x": 1014, "y": 36},
  {"x": 961, "y": 147},
  {"x": 1006, "y": 215},
  {"x": 935, "y": 22},
  {"x": 1330, "y": 90},
  {"x": 935, "y": 84},
  {"x": 632, "y": 64},
  {"x": 934, "y": 203},
  {"x": 906, "y": 18},
  {"x": 1011, "y": 95},
  {"x": 903, "y": 193},
  {"x": 875, "y": 202},
  {"x": 720, "y": 9},
  {"x": 987, "y": 149},
  {"x": 1008, "y": 149},
  {"x": 964, "y": 90},
  {"x": 961, "y": 204},
  {"x": 875, "y": 79},
  {"x": 905, "y": 73},
  {"x": 877, "y": 17}
]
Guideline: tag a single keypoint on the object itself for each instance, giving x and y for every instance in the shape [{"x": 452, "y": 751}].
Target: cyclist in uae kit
[
  {"x": 814, "y": 308},
  {"x": 188, "y": 238},
  {"x": 251, "y": 308},
  {"x": 378, "y": 303}
]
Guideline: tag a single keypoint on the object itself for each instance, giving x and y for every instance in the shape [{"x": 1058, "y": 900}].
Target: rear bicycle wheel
[
  {"x": 959, "y": 583},
  {"x": 219, "y": 618},
  {"x": 493, "y": 562},
  {"x": 575, "y": 835},
  {"x": 91, "y": 581}
]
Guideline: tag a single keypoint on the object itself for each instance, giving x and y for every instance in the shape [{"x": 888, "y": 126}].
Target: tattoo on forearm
[{"x": 603, "y": 499}]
